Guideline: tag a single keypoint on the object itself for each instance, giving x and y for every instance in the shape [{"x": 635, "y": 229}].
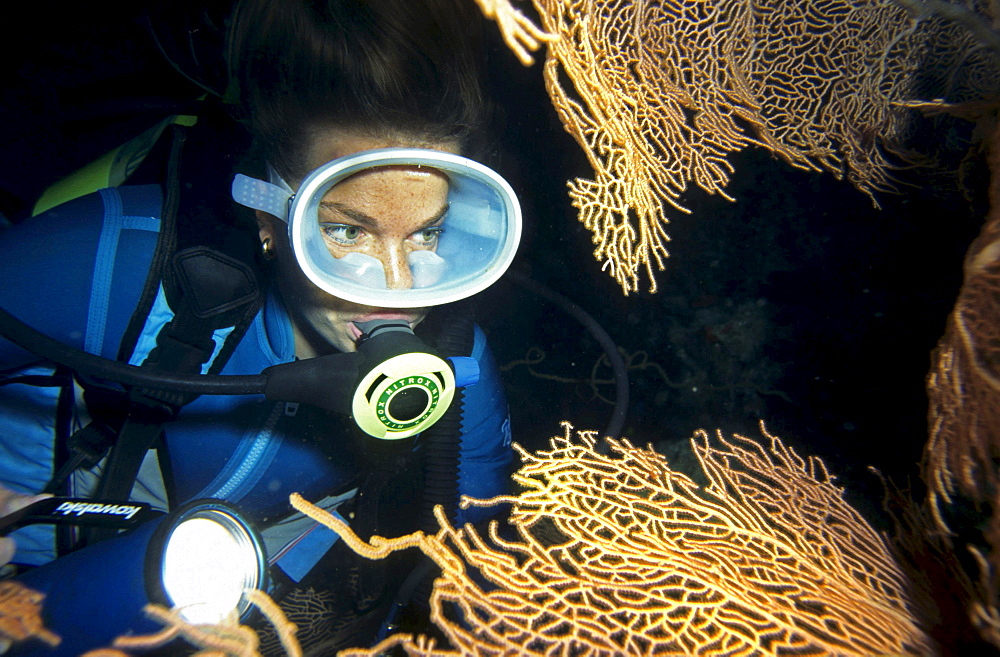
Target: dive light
[
  {"x": 198, "y": 559},
  {"x": 202, "y": 558}
]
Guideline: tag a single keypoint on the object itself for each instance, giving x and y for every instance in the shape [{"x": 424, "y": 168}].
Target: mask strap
[
  {"x": 261, "y": 195},
  {"x": 275, "y": 179}
]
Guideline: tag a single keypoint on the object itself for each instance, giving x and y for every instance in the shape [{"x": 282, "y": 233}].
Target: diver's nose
[{"x": 397, "y": 270}]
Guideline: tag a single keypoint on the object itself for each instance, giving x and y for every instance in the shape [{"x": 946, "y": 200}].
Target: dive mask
[{"x": 481, "y": 230}]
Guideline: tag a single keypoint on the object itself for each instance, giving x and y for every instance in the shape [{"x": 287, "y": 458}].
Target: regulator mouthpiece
[
  {"x": 407, "y": 390},
  {"x": 394, "y": 386}
]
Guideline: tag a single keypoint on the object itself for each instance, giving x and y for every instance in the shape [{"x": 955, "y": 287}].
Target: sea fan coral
[
  {"x": 963, "y": 387},
  {"x": 227, "y": 638},
  {"x": 619, "y": 554},
  {"x": 660, "y": 95}
]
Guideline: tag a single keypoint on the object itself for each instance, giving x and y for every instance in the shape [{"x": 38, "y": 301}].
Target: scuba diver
[{"x": 342, "y": 238}]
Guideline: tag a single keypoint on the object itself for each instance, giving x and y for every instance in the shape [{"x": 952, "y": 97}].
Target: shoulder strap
[
  {"x": 206, "y": 254},
  {"x": 207, "y": 267}
]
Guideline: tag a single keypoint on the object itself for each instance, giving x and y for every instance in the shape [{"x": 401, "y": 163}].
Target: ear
[{"x": 266, "y": 226}]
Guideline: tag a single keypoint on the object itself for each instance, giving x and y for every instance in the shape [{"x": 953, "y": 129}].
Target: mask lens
[{"x": 397, "y": 250}]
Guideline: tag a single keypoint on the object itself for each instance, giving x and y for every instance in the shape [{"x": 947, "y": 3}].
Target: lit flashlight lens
[{"x": 208, "y": 561}]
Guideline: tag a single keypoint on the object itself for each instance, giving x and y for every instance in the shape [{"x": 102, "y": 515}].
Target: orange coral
[
  {"x": 21, "y": 616},
  {"x": 521, "y": 35},
  {"x": 964, "y": 382},
  {"x": 660, "y": 94},
  {"x": 226, "y": 639},
  {"x": 961, "y": 455},
  {"x": 622, "y": 555}
]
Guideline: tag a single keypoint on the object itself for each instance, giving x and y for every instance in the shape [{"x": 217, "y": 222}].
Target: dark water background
[{"x": 800, "y": 304}]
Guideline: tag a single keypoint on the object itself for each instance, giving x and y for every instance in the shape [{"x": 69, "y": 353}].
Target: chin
[{"x": 344, "y": 343}]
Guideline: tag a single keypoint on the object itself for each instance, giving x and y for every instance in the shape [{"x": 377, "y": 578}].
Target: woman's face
[{"x": 386, "y": 213}]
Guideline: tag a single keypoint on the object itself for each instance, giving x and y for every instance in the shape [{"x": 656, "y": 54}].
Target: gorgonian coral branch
[
  {"x": 660, "y": 95},
  {"x": 619, "y": 554}
]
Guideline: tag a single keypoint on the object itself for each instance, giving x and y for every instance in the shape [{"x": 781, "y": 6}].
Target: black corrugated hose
[{"x": 441, "y": 441}]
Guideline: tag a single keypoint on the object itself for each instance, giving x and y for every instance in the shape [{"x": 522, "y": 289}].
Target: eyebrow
[{"x": 367, "y": 221}]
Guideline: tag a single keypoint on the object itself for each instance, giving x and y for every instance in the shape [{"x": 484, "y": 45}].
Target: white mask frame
[{"x": 482, "y": 229}]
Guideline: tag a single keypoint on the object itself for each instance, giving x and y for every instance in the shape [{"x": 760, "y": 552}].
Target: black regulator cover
[{"x": 394, "y": 386}]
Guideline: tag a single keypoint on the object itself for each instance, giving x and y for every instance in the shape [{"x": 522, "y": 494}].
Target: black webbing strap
[
  {"x": 83, "y": 449},
  {"x": 182, "y": 346},
  {"x": 90, "y": 444},
  {"x": 166, "y": 245},
  {"x": 206, "y": 289},
  {"x": 213, "y": 286}
]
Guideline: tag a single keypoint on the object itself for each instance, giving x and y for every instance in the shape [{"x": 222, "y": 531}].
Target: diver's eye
[
  {"x": 428, "y": 237},
  {"x": 342, "y": 234}
]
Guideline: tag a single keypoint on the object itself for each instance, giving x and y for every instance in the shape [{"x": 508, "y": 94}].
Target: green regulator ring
[{"x": 403, "y": 396}]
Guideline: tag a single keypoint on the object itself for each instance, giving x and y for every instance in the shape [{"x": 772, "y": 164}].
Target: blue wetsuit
[{"x": 76, "y": 274}]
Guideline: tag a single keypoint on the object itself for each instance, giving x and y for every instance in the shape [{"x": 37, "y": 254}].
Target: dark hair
[{"x": 387, "y": 68}]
